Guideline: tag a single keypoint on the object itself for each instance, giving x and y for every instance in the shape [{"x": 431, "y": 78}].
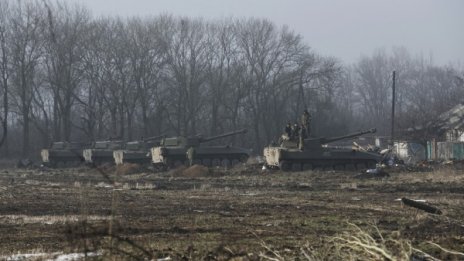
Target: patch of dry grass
[{"x": 357, "y": 244}]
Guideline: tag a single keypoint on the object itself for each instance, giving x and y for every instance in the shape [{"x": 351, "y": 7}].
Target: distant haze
[{"x": 339, "y": 28}]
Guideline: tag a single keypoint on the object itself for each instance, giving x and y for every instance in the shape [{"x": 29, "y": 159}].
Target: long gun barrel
[
  {"x": 224, "y": 135},
  {"x": 110, "y": 139},
  {"x": 353, "y": 135},
  {"x": 154, "y": 138}
]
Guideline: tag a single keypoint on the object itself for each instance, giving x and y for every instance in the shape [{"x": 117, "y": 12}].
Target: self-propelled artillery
[
  {"x": 172, "y": 151},
  {"x": 102, "y": 152},
  {"x": 315, "y": 153},
  {"x": 137, "y": 151},
  {"x": 63, "y": 153}
]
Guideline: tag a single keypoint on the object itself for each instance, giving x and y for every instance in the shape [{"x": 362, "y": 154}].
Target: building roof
[{"x": 449, "y": 120}]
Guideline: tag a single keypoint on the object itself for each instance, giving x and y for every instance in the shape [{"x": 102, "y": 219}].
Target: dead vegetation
[{"x": 357, "y": 244}]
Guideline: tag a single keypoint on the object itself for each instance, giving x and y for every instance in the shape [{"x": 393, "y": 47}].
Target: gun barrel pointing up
[
  {"x": 349, "y": 136},
  {"x": 224, "y": 135},
  {"x": 154, "y": 138}
]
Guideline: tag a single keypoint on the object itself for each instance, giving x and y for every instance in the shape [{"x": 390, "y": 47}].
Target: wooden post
[{"x": 393, "y": 111}]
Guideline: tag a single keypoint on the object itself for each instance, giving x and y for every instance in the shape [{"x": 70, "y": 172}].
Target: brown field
[{"x": 239, "y": 214}]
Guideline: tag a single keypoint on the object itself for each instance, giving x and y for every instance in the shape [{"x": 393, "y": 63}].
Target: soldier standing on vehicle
[
  {"x": 305, "y": 121},
  {"x": 288, "y": 130},
  {"x": 302, "y": 136},
  {"x": 191, "y": 155},
  {"x": 295, "y": 132}
]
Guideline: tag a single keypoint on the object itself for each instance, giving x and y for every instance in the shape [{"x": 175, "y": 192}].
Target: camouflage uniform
[
  {"x": 191, "y": 155},
  {"x": 302, "y": 136},
  {"x": 295, "y": 132},
  {"x": 305, "y": 121},
  {"x": 288, "y": 130}
]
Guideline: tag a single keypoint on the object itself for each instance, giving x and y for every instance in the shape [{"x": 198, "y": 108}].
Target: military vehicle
[
  {"x": 172, "y": 152},
  {"x": 316, "y": 154},
  {"x": 63, "y": 153},
  {"x": 137, "y": 151},
  {"x": 102, "y": 152}
]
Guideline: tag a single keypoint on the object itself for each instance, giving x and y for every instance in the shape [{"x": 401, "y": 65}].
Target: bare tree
[
  {"x": 257, "y": 41},
  {"x": 26, "y": 47},
  {"x": 114, "y": 78},
  {"x": 273, "y": 64},
  {"x": 66, "y": 75},
  {"x": 94, "y": 122},
  {"x": 147, "y": 58},
  {"x": 220, "y": 44},
  {"x": 430, "y": 91},
  {"x": 187, "y": 65},
  {"x": 423, "y": 91},
  {"x": 4, "y": 13},
  {"x": 66, "y": 42},
  {"x": 374, "y": 88}
]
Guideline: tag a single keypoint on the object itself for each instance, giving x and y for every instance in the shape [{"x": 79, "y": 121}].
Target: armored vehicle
[
  {"x": 172, "y": 152},
  {"x": 102, "y": 152},
  {"x": 137, "y": 151},
  {"x": 63, "y": 153},
  {"x": 316, "y": 154}
]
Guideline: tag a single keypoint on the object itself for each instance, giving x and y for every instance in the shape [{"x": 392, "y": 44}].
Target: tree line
[{"x": 68, "y": 76}]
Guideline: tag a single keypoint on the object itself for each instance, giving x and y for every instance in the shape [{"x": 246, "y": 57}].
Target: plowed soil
[{"x": 243, "y": 213}]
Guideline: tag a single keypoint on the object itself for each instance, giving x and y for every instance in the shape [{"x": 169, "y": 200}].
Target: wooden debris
[{"x": 421, "y": 206}]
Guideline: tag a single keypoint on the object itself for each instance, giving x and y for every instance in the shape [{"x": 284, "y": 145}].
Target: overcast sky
[{"x": 345, "y": 29}]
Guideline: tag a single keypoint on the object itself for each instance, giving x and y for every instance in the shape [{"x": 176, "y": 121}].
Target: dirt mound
[
  {"x": 196, "y": 171},
  {"x": 177, "y": 172},
  {"x": 128, "y": 168},
  {"x": 105, "y": 168},
  {"x": 191, "y": 172},
  {"x": 250, "y": 169}
]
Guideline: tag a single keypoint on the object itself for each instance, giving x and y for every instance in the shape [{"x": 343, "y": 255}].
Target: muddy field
[{"x": 238, "y": 214}]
